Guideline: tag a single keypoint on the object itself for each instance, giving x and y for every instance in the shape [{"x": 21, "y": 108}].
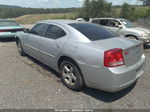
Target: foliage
[
  {"x": 90, "y": 9},
  {"x": 148, "y": 13},
  {"x": 95, "y": 8},
  {"x": 31, "y": 19},
  {"x": 100, "y": 8},
  {"x": 15, "y": 12},
  {"x": 128, "y": 12}
]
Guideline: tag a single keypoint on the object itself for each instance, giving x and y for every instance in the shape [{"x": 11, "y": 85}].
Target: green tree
[
  {"x": 125, "y": 11},
  {"x": 95, "y": 8},
  {"x": 148, "y": 13},
  {"x": 128, "y": 12}
]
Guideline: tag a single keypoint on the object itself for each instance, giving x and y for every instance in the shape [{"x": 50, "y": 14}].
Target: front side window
[
  {"x": 114, "y": 23},
  {"x": 127, "y": 23},
  {"x": 104, "y": 22},
  {"x": 93, "y": 31},
  {"x": 55, "y": 32},
  {"x": 39, "y": 29}
]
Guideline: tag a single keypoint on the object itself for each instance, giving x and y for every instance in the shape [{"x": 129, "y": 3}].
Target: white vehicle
[
  {"x": 125, "y": 28},
  {"x": 80, "y": 19}
]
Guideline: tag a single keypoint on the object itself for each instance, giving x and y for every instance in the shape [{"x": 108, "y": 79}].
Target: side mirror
[
  {"x": 26, "y": 30},
  {"x": 120, "y": 26}
]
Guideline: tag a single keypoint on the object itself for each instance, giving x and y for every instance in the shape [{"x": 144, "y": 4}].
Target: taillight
[
  {"x": 113, "y": 58},
  {"x": 9, "y": 30}
]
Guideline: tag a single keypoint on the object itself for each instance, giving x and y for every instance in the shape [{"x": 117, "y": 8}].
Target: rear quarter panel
[{"x": 22, "y": 37}]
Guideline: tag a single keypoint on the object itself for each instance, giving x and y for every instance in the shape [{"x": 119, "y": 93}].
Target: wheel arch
[
  {"x": 17, "y": 39},
  {"x": 128, "y": 35},
  {"x": 63, "y": 58}
]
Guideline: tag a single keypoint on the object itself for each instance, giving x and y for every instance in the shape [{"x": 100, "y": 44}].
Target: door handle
[{"x": 58, "y": 46}]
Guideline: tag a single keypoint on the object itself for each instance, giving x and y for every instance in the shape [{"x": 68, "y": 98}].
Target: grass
[
  {"x": 139, "y": 10},
  {"x": 31, "y": 19}
]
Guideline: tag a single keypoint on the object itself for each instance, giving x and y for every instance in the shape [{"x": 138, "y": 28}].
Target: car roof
[
  {"x": 60, "y": 21},
  {"x": 108, "y": 18}
]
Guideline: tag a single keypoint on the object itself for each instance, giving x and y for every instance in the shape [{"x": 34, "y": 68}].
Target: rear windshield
[
  {"x": 93, "y": 32},
  {"x": 8, "y": 23}
]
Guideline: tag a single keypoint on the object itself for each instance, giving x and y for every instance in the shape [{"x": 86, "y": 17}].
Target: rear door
[
  {"x": 51, "y": 45},
  {"x": 105, "y": 23},
  {"x": 32, "y": 45},
  {"x": 96, "y": 21}
]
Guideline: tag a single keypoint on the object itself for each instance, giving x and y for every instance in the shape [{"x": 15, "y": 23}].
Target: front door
[
  {"x": 114, "y": 26},
  {"x": 33, "y": 38}
]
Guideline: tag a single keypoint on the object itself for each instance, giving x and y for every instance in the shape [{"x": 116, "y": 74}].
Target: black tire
[
  {"x": 77, "y": 84},
  {"x": 20, "y": 49}
]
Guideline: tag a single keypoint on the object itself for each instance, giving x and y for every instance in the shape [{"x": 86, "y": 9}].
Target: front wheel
[
  {"x": 71, "y": 75},
  {"x": 21, "y": 52}
]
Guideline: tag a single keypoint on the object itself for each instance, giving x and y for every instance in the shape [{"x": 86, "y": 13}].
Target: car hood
[{"x": 141, "y": 29}]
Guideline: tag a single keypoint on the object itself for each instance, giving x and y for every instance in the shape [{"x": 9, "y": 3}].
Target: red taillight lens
[{"x": 113, "y": 58}]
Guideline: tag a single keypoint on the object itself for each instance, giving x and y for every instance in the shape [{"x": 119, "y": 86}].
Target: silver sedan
[{"x": 84, "y": 54}]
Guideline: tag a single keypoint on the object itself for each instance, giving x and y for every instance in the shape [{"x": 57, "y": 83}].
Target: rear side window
[
  {"x": 55, "y": 32},
  {"x": 104, "y": 22},
  {"x": 93, "y": 31},
  {"x": 96, "y": 21},
  {"x": 39, "y": 29}
]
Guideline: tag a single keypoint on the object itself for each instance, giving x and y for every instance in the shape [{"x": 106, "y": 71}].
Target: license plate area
[{"x": 133, "y": 55}]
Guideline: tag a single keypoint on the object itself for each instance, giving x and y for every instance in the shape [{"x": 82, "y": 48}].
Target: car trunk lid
[{"x": 132, "y": 49}]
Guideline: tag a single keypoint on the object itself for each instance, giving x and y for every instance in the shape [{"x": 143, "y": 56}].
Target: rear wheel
[
  {"x": 21, "y": 52},
  {"x": 71, "y": 75}
]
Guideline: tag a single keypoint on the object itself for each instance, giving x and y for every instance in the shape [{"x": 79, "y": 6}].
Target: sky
[{"x": 56, "y": 3}]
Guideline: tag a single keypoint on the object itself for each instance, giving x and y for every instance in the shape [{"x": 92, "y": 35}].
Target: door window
[
  {"x": 39, "y": 29},
  {"x": 96, "y": 21},
  {"x": 104, "y": 22},
  {"x": 114, "y": 23},
  {"x": 55, "y": 32}
]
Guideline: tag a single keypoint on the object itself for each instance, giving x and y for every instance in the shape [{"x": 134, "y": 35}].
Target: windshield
[
  {"x": 127, "y": 23},
  {"x": 93, "y": 32},
  {"x": 8, "y": 23}
]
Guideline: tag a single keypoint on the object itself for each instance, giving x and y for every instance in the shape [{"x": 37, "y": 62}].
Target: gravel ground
[{"x": 26, "y": 83}]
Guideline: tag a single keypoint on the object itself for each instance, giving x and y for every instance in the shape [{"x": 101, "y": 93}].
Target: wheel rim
[
  {"x": 19, "y": 47},
  {"x": 69, "y": 74}
]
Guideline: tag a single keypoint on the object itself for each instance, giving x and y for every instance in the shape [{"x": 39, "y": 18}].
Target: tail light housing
[
  {"x": 113, "y": 58},
  {"x": 10, "y": 30}
]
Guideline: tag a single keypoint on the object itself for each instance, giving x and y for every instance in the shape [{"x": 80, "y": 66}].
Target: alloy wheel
[{"x": 69, "y": 74}]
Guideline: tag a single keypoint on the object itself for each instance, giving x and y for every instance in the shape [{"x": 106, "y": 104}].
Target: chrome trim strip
[
  {"x": 31, "y": 47},
  {"x": 47, "y": 54},
  {"x": 40, "y": 51}
]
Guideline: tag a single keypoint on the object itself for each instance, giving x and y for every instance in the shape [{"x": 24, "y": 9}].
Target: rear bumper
[
  {"x": 112, "y": 79},
  {"x": 7, "y": 35}
]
